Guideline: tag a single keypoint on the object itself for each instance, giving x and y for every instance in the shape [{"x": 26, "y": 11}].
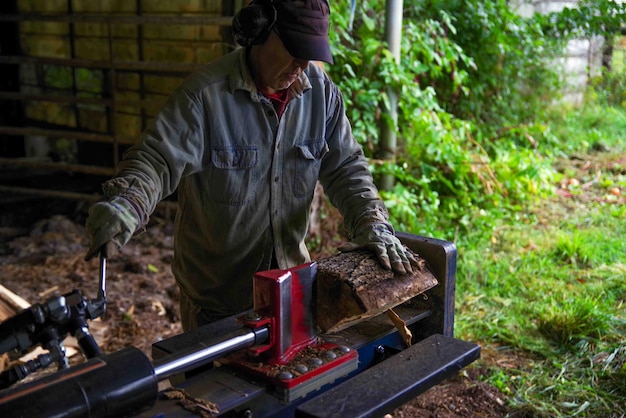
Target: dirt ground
[{"x": 45, "y": 258}]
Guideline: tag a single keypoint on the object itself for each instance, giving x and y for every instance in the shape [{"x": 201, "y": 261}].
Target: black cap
[{"x": 303, "y": 27}]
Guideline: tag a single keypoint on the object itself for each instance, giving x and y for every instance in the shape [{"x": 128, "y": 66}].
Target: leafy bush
[
  {"x": 465, "y": 97},
  {"x": 508, "y": 82},
  {"x": 474, "y": 82},
  {"x": 610, "y": 89}
]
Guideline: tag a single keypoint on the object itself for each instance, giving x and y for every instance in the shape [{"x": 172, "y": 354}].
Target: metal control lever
[
  {"x": 102, "y": 292},
  {"x": 97, "y": 307}
]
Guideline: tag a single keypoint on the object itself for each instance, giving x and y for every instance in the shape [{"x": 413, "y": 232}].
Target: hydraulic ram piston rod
[{"x": 206, "y": 352}]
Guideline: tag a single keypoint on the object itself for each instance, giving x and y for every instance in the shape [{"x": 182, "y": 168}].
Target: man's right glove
[
  {"x": 381, "y": 240},
  {"x": 112, "y": 221}
]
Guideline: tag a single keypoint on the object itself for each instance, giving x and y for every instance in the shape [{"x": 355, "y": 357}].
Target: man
[{"x": 245, "y": 139}]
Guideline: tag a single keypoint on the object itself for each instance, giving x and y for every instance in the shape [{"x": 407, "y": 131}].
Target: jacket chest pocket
[
  {"x": 308, "y": 159},
  {"x": 232, "y": 177}
]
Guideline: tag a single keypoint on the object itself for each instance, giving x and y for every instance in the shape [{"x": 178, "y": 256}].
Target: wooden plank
[{"x": 10, "y": 303}]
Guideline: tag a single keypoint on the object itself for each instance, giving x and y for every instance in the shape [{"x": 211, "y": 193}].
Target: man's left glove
[
  {"x": 380, "y": 238},
  {"x": 112, "y": 221}
]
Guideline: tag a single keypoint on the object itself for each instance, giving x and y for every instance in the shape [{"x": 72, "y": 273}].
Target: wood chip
[
  {"x": 158, "y": 307},
  {"x": 48, "y": 292},
  {"x": 200, "y": 407},
  {"x": 400, "y": 325}
]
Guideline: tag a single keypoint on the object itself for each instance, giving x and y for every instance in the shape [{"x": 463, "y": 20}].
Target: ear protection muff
[{"x": 253, "y": 23}]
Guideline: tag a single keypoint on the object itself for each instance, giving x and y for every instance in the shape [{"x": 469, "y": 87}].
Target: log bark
[{"x": 353, "y": 286}]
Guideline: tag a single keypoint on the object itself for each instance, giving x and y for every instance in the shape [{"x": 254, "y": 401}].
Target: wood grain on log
[{"x": 353, "y": 286}]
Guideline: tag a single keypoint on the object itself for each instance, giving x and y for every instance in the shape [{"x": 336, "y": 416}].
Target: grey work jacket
[{"x": 245, "y": 177}]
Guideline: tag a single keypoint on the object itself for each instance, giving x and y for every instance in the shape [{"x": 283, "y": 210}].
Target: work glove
[
  {"x": 110, "y": 222},
  {"x": 380, "y": 239}
]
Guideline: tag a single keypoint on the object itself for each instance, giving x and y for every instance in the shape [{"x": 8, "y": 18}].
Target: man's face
[{"x": 275, "y": 69}]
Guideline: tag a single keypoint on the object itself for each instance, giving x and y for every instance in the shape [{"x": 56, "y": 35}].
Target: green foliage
[
  {"x": 589, "y": 18},
  {"x": 456, "y": 157},
  {"x": 364, "y": 69},
  {"x": 57, "y": 77},
  {"x": 508, "y": 81},
  {"x": 481, "y": 149},
  {"x": 86, "y": 82},
  {"x": 610, "y": 89}
]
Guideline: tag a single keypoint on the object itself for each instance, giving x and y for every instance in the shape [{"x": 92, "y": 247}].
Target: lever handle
[
  {"x": 102, "y": 293},
  {"x": 108, "y": 250}
]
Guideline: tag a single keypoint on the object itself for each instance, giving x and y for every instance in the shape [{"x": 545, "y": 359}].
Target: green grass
[
  {"x": 579, "y": 129},
  {"x": 550, "y": 286},
  {"x": 619, "y": 58}
]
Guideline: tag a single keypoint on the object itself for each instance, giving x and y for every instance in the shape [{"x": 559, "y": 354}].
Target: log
[{"x": 353, "y": 286}]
